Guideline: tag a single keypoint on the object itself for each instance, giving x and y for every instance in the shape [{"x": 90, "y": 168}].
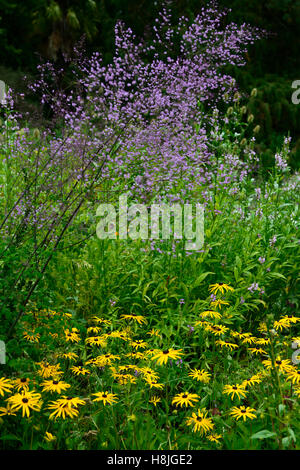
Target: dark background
[{"x": 32, "y": 29}]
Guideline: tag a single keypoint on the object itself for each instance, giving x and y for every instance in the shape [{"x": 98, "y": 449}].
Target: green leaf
[
  {"x": 264, "y": 434},
  {"x": 200, "y": 279}
]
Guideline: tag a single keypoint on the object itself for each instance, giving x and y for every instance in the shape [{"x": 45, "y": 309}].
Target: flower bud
[
  {"x": 250, "y": 118},
  {"x": 256, "y": 129},
  {"x": 254, "y": 93},
  {"x": 230, "y": 110},
  {"x": 243, "y": 109},
  {"x": 36, "y": 133},
  {"x": 243, "y": 142}
]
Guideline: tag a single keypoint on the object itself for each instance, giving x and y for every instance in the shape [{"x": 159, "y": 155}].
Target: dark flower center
[
  {"x": 243, "y": 411},
  {"x": 166, "y": 351},
  {"x": 278, "y": 363},
  {"x": 23, "y": 380},
  {"x": 25, "y": 400},
  {"x": 184, "y": 396},
  {"x": 55, "y": 382}
]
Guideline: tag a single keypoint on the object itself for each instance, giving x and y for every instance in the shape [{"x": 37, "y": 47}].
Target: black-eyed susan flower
[
  {"x": 152, "y": 382},
  {"x": 216, "y": 330},
  {"x": 220, "y": 287},
  {"x": 255, "y": 379},
  {"x": 226, "y": 344},
  {"x": 101, "y": 320},
  {"x": 235, "y": 390},
  {"x": 137, "y": 318},
  {"x": 56, "y": 385},
  {"x": 218, "y": 303},
  {"x": 243, "y": 412},
  {"x": 70, "y": 355},
  {"x": 155, "y": 400},
  {"x": 72, "y": 336},
  {"x": 31, "y": 337},
  {"x": 62, "y": 410},
  {"x": 7, "y": 411},
  {"x": 22, "y": 383},
  {"x": 25, "y": 401},
  {"x": 94, "y": 329},
  {"x": 138, "y": 343},
  {"x": 262, "y": 341},
  {"x": 71, "y": 402},
  {"x": 5, "y": 385},
  {"x": 47, "y": 370},
  {"x": 200, "y": 422},
  {"x": 293, "y": 375},
  {"x": 281, "y": 324},
  {"x": 154, "y": 332},
  {"x": 105, "y": 398},
  {"x": 283, "y": 365},
  {"x": 200, "y": 375},
  {"x": 214, "y": 437},
  {"x": 162, "y": 356},
  {"x": 97, "y": 341},
  {"x": 79, "y": 370},
  {"x": 249, "y": 340},
  {"x": 49, "y": 437},
  {"x": 185, "y": 399},
  {"x": 211, "y": 314}
]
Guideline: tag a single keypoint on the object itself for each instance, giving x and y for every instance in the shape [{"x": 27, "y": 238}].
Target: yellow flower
[
  {"x": 5, "y": 385},
  {"x": 101, "y": 320},
  {"x": 226, "y": 344},
  {"x": 47, "y": 370},
  {"x": 154, "y": 400},
  {"x": 97, "y": 341},
  {"x": 220, "y": 287},
  {"x": 26, "y": 401},
  {"x": 214, "y": 437},
  {"x": 238, "y": 390},
  {"x": 294, "y": 376},
  {"x": 153, "y": 383},
  {"x": 62, "y": 410},
  {"x": 200, "y": 422},
  {"x": 49, "y": 437},
  {"x": 163, "y": 356},
  {"x": 283, "y": 365},
  {"x": 72, "y": 336},
  {"x": 210, "y": 314},
  {"x": 154, "y": 332},
  {"x": 255, "y": 379},
  {"x": 70, "y": 355},
  {"x": 7, "y": 411},
  {"x": 138, "y": 343},
  {"x": 217, "y": 330},
  {"x": 55, "y": 386},
  {"x": 79, "y": 370},
  {"x": 281, "y": 324},
  {"x": 31, "y": 337},
  {"x": 138, "y": 318},
  {"x": 200, "y": 374},
  {"x": 243, "y": 412},
  {"x": 185, "y": 399},
  {"x": 218, "y": 303},
  {"x": 105, "y": 397},
  {"x": 257, "y": 351}
]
